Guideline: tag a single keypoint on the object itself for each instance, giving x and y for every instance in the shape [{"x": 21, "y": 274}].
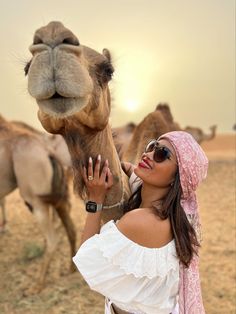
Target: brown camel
[
  {"x": 199, "y": 135},
  {"x": 196, "y": 132},
  {"x": 56, "y": 145},
  {"x": 122, "y": 136},
  {"x": 54, "y": 142},
  {"x": 164, "y": 108},
  {"x": 131, "y": 139},
  {"x": 26, "y": 163},
  {"x": 70, "y": 84}
]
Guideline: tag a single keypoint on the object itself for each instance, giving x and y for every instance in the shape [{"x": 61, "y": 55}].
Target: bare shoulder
[{"x": 145, "y": 228}]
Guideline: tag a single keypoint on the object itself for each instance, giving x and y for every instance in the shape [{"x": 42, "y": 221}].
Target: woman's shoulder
[{"x": 145, "y": 228}]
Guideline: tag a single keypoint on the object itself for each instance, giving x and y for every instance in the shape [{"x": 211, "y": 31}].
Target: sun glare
[{"x": 131, "y": 105}]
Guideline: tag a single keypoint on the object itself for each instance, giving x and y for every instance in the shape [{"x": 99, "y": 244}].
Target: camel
[
  {"x": 131, "y": 151},
  {"x": 196, "y": 132},
  {"x": 164, "y": 108},
  {"x": 122, "y": 136},
  {"x": 54, "y": 142},
  {"x": 74, "y": 100},
  {"x": 56, "y": 145},
  {"x": 199, "y": 135},
  {"x": 158, "y": 123},
  {"x": 26, "y": 163}
]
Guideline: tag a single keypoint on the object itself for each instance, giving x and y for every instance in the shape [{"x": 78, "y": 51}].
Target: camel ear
[{"x": 107, "y": 54}]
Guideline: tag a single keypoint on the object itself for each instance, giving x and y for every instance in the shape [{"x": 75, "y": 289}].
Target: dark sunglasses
[{"x": 161, "y": 153}]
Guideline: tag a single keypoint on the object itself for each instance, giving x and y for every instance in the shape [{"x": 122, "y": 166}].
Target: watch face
[{"x": 91, "y": 207}]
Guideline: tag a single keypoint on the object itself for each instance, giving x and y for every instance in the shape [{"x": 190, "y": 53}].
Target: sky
[{"x": 177, "y": 51}]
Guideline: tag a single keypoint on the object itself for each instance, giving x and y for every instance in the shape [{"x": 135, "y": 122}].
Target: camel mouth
[
  {"x": 61, "y": 106},
  {"x": 56, "y": 95}
]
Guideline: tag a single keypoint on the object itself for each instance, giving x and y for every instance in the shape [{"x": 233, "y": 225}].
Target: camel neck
[{"x": 83, "y": 142}]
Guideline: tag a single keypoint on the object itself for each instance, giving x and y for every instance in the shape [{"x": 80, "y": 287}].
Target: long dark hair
[{"x": 184, "y": 234}]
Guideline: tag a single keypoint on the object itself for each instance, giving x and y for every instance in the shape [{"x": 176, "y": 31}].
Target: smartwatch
[{"x": 93, "y": 207}]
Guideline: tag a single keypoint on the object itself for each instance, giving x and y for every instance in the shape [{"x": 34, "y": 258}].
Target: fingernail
[
  {"x": 90, "y": 159},
  {"x": 99, "y": 157}
]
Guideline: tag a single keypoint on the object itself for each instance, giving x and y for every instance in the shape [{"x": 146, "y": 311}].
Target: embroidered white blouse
[{"x": 137, "y": 279}]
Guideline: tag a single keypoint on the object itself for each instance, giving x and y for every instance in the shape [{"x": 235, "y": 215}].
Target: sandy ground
[{"x": 22, "y": 244}]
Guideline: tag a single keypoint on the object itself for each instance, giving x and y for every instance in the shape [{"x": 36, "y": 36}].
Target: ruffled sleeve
[{"x": 110, "y": 260}]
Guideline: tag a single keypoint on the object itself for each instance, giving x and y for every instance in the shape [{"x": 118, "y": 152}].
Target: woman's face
[{"x": 159, "y": 174}]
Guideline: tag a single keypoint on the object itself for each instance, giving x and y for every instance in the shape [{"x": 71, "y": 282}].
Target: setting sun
[{"x": 131, "y": 105}]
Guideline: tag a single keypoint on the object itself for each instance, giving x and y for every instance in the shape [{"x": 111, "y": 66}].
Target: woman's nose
[{"x": 148, "y": 155}]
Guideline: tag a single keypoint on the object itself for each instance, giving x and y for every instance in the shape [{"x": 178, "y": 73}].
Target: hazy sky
[{"x": 176, "y": 51}]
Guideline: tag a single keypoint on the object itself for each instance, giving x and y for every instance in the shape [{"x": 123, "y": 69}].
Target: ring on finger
[{"x": 90, "y": 178}]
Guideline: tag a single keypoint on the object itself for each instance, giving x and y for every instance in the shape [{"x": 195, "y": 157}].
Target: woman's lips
[{"x": 144, "y": 164}]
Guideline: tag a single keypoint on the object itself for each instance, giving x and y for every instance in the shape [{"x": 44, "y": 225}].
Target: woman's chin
[{"x": 138, "y": 171}]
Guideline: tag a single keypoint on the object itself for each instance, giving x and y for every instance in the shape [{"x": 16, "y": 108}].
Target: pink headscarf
[{"x": 193, "y": 164}]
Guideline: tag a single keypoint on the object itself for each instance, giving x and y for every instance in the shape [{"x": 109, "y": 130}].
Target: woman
[{"x": 147, "y": 262}]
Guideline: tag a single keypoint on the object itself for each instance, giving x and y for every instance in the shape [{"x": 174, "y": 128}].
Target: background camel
[
  {"x": 55, "y": 144},
  {"x": 196, "y": 132},
  {"x": 139, "y": 134},
  {"x": 199, "y": 135},
  {"x": 122, "y": 136},
  {"x": 26, "y": 163},
  {"x": 164, "y": 108}
]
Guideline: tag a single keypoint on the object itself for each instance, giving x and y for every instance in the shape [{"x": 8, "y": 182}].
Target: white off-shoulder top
[{"x": 137, "y": 279}]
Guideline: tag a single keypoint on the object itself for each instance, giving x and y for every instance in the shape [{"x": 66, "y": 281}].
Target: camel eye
[
  {"x": 109, "y": 72},
  {"x": 37, "y": 40},
  {"x": 105, "y": 71}
]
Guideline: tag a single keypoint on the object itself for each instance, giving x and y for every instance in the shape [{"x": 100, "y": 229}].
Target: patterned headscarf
[{"x": 193, "y": 164}]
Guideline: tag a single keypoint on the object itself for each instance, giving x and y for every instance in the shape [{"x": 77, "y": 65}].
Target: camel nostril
[
  {"x": 71, "y": 41},
  {"x": 37, "y": 40}
]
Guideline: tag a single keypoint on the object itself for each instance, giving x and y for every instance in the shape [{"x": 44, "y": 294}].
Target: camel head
[
  {"x": 165, "y": 109},
  {"x": 65, "y": 77}
]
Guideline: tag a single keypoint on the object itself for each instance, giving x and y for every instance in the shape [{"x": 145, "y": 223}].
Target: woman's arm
[{"x": 96, "y": 189}]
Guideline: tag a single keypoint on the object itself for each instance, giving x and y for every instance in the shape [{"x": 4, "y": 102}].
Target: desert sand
[{"x": 21, "y": 249}]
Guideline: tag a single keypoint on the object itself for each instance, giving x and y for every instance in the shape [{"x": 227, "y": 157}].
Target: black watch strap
[{"x": 93, "y": 207}]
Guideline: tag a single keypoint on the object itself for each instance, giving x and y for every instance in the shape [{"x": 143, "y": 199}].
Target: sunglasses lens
[
  {"x": 150, "y": 146},
  {"x": 161, "y": 154}
]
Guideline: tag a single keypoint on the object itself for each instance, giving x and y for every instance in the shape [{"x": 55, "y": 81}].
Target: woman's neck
[{"x": 150, "y": 194}]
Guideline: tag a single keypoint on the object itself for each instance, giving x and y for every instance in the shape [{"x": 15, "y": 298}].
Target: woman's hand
[{"x": 97, "y": 184}]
